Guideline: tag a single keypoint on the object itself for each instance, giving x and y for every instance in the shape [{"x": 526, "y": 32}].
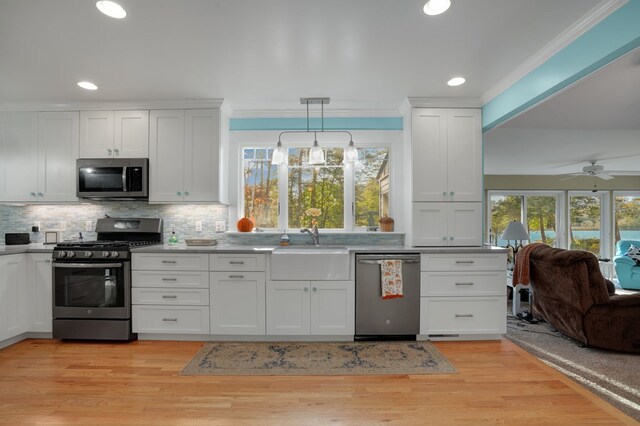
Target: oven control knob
[
  {"x": 115, "y": 254},
  {"x": 106, "y": 254},
  {"x": 62, "y": 254},
  {"x": 88, "y": 254},
  {"x": 71, "y": 254}
]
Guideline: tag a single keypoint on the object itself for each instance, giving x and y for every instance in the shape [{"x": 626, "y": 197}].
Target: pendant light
[{"x": 316, "y": 153}]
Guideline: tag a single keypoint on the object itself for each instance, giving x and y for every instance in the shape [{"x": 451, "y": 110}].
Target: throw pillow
[{"x": 634, "y": 253}]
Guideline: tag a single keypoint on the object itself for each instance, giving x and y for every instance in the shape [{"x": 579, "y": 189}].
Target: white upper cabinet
[
  {"x": 114, "y": 134},
  {"x": 185, "y": 156},
  {"x": 447, "y": 224},
  {"x": 18, "y": 156},
  {"x": 38, "y": 153},
  {"x": 447, "y": 154},
  {"x": 57, "y": 154}
]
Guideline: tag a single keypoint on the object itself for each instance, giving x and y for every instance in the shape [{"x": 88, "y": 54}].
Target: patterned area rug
[{"x": 317, "y": 358}]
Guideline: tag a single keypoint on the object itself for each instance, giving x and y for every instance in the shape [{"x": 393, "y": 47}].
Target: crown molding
[
  {"x": 96, "y": 106},
  {"x": 588, "y": 21},
  {"x": 424, "y": 102},
  {"x": 314, "y": 113}
]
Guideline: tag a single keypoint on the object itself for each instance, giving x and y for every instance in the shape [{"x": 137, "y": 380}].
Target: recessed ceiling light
[
  {"x": 113, "y": 9},
  {"x": 87, "y": 85},
  {"x": 436, "y": 7},
  {"x": 456, "y": 81}
]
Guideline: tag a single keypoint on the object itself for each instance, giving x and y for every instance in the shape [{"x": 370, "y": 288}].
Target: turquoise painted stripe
[
  {"x": 617, "y": 34},
  {"x": 330, "y": 123}
]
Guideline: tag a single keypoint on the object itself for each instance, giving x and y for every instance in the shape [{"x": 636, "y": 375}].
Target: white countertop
[{"x": 26, "y": 248}]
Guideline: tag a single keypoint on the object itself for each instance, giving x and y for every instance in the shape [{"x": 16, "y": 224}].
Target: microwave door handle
[{"x": 124, "y": 179}]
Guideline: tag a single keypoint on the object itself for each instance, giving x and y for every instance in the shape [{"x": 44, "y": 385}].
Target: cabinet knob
[
  {"x": 315, "y": 289},
  {"x": 108, "y": 152},
  {"x": 450, "y": 238},
  {"x": 451, "y": 193},
  {"x": 178, "y": 193},
  {"x": 444, "y": 193},
  {"x": 306, "y": 289},
  {"x": 444, "y": 238},
  {"x": 33, "y": 194},
  {"x": 117, "y": 152},
  {"x": 186, "y": 192},
  {"x": 40, "y": 194}
]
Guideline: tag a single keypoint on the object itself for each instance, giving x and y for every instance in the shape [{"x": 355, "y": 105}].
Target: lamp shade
[
  {"x": 515, "y": 231},
  {"x": 316, "y": 155},
  {"x": 279, "y": 155}
]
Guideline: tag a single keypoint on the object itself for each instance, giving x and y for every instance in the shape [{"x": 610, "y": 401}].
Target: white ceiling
[
  {"x": 263, "y": 53},
  {"x": 598, "y": 118}
]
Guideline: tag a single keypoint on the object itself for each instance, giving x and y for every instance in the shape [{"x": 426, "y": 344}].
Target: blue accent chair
[{"x": 627, "y": 270}]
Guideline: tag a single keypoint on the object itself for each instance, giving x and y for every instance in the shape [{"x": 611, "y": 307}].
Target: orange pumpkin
[{"x": 245, "y": 225}]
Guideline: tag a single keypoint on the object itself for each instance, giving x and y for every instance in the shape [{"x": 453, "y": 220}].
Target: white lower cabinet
[
  {"x": 463, "y": 295},
  {"x": 310, "y": 307},
  {"x": 170, "y": 293},
  {"x": 237, "y": 303},
  {"x": 40, "y": 276},
  {"x": 14, "y": 302}
]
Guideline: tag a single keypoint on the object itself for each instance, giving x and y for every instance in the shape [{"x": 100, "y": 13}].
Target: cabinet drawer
[
  {"x": 463, "y": 262},
  {"x": 170, "y": 296},
  {"x": 196, "y": 279},
  {"x": 170, "y": 319},
  {"x": 237, "y": 262},
  {"x": 170, "y": 262},
  {"x": 487, "y": 283},
  {"x": 458, "y": 315}
]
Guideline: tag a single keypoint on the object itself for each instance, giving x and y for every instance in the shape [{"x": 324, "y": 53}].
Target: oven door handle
[{"x": 87, "y": 265}]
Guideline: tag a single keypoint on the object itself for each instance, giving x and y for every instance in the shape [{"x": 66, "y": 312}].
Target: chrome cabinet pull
[
  {"x": 465, "y": 261},
  {"x": 170, "y": 319},
  {"x": 236, "y": 262},
  {"x": 169, "y": 261},
  {"x": 236, "y": 276},
  {"x": 169, "y": 297},
  {"x": 464, "y": 283},
  {"x": 464, "y": 315},
  {"x": 169, "y": 279}
]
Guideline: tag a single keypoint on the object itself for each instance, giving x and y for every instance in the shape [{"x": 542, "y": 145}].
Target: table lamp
[{"x": 515, "y": 231}]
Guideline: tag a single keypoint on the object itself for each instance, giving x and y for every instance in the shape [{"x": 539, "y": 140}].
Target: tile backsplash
[{"x": 182, "y": 218}]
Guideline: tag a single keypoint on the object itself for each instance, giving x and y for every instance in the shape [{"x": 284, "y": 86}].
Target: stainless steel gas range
[{"x": 92, "y": 280}]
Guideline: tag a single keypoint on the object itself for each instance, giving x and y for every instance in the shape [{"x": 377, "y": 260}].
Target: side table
[{"x": 515, "y": 303}]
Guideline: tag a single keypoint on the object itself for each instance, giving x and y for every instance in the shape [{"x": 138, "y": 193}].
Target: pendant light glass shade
[
  {"x": 279, "y": 155},
  {"x": 316, "y": 154},
  {"x": 350, "y": 153}
]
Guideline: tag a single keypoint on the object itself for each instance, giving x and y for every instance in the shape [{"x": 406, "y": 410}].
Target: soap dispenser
[
  {"x": 284, "y": 239},
  {"x": 173, "y": 240}
]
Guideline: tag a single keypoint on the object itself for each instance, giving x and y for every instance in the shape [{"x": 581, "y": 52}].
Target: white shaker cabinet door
[
  {"x": 430, "y": 224},
  {"x": 58, "y": 137},
  {"x": 202, "y": 155},
  {"x": 40, "y": 294},
  {"x": 332, "y": 307},
  {"x": 14, "y": 304},
  {"x": 166, "y": 156},
  {"x": 19, "y": 156},
  {"x": 237, "y": 303},
  {"x": 288, "y": 306},
  {"x": 131, "y": 134},
  {"x": 464, "y": 224},
  {"x": 96, "y": 134},
  {"x": 464, "y": 155},
  {"x": 429, "y": 156}
]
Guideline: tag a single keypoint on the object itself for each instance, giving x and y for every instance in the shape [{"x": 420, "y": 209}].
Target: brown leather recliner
[{"x": 570, "y": 293}]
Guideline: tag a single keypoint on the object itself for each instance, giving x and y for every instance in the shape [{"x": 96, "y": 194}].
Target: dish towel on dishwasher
[{"x": 391, "y": 278}]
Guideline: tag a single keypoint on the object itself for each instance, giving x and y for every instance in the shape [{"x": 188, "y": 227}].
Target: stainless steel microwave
[{"x": 115, "y": 179}]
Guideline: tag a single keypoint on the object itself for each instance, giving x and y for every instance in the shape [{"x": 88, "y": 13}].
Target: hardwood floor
[{"x": 53, "y": 382}]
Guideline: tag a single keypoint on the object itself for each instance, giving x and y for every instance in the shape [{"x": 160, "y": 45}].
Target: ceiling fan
[{"x": 598, "y": 171}]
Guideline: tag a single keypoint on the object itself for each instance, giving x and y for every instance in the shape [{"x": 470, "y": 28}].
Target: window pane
[
  {"x": 541, "y": 219},
  {"x": 504, "y": 209},
  {"x": 318, "y": 187},
  {"x": 260, "y": 188},
  {"x": 627, "y": 221},
  {"x": 584, "y": 229},
  {"x": 372, "y": 186}
]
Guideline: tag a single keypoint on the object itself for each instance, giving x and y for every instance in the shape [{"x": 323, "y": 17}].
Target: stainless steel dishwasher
[{"x": 387, "y": 318}]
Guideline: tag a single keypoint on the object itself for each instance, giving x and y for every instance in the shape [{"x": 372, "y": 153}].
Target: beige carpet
[{"x": 317, "y": 358}]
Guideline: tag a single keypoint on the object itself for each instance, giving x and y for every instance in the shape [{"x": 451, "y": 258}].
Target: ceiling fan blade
[
  {"x": 571, "y": 176},
  {"x": 624, "y": 172},
  {"x": 604, "y": 176}
]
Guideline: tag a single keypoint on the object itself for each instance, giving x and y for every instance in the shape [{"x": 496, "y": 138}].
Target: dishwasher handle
[{"x": 378, "y": 259}]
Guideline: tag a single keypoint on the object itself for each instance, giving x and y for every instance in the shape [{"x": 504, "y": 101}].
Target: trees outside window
[
  {"x": 584, "y": 223},
  {"x": 333, "y": 195},
  {"x": 627, "y": 217},
  {"x": 539, "y": 212}
]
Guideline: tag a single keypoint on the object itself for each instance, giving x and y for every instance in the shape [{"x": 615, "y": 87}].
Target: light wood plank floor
[{"x": 53, "y": 382}]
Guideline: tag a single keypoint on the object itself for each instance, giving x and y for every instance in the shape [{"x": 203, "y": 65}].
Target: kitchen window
[{"x": 333, "y": 194}]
